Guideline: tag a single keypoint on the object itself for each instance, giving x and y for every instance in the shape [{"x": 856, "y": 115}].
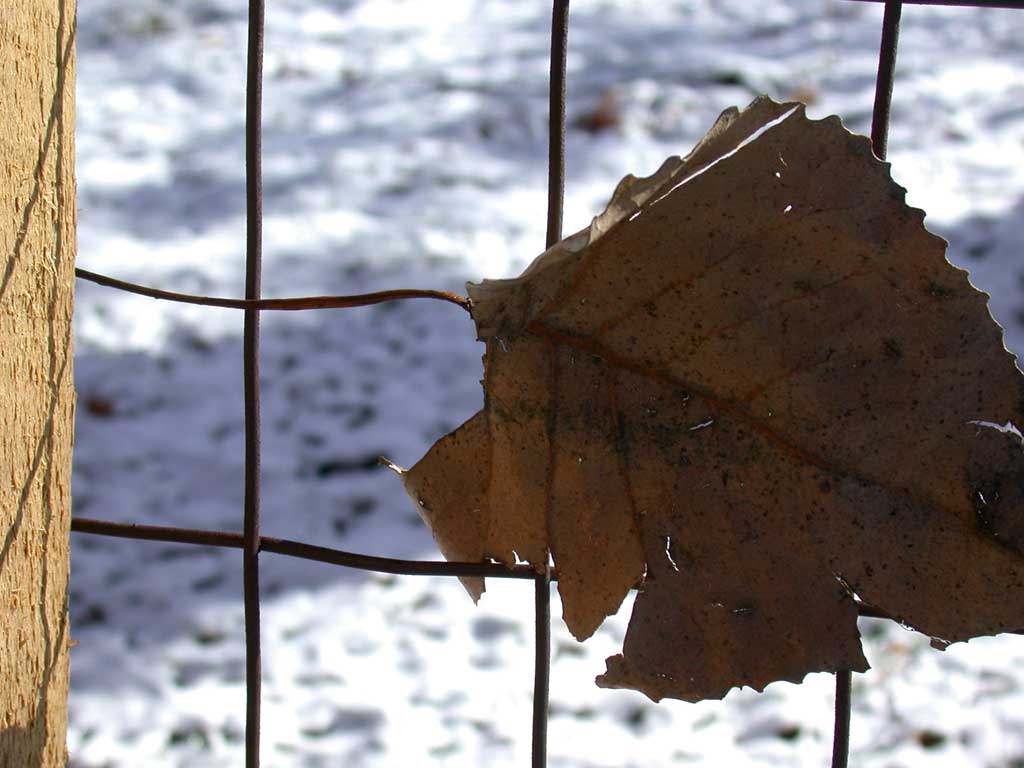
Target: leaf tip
[
  {"x": 386, "y": 462},
  {"x": 475, "y": 586}
]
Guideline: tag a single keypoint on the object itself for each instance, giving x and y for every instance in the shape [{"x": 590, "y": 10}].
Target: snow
[{"x": 405, "y": 145}]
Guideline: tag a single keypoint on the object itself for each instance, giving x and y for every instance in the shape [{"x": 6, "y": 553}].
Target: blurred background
[{"x": 405, "y": 146}]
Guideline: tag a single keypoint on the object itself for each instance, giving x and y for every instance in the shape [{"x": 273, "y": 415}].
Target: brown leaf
[{"x": 752, "y": 386}]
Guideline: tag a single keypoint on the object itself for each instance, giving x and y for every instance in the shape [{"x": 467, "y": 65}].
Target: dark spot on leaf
[{"x": 892, "y": 348}]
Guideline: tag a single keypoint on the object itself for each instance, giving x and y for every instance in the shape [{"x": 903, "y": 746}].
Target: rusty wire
[
  {"x": 287, "y": 305},
  {"x": 251, "y": 542},
  {"x": 556, "y": 197},
  {"x": 880, "y": 116},
  {"x": 1012, "y": 4},
  {"x": 251, "y": 378}
]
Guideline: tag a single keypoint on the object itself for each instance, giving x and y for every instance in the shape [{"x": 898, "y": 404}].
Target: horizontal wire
[
  {"x": 301, "y": 550},
  {"x": 292, "y": 304},
  {"x": 1012, "y": 4}
]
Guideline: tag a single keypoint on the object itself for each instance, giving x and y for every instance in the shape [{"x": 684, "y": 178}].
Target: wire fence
[{"x": 251, "y": 542}]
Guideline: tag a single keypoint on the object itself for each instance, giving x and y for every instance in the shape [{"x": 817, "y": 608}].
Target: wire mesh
[{"x": 251, "y": 542}]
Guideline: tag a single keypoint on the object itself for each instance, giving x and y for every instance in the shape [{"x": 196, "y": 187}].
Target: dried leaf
[{"x": 752, "y": 387}]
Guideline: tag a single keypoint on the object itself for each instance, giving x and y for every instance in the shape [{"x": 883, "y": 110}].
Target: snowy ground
[{"x": 405, "y": 146}]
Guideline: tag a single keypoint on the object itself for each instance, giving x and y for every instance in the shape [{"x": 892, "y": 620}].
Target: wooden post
[{"x": 37, "y": 253}]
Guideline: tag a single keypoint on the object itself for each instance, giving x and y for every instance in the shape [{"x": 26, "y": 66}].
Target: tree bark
[{"x": 37, "y": 249}]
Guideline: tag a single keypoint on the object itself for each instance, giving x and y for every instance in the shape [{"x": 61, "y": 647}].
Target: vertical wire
[
  {"x": 886, "y": 76},
  {"x": 250, "y": 371},
  {"x": 841, "y": 733},
  {"x": 556, "y": 195},
  {"x": 880, "y": 117},
  {"x": 541, "y": 667},
  {"x": 556, "y": 120}
]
